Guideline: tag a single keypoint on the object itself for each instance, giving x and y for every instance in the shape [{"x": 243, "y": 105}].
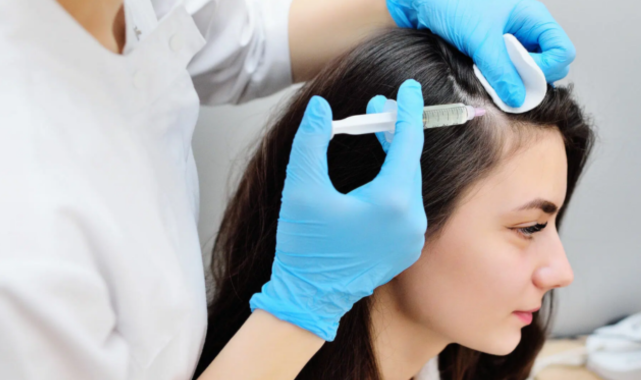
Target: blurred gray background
[{"x": 602, "y": 231}]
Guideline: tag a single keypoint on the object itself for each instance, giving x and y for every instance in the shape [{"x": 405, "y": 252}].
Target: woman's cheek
[{"x": 506, "y": 272}]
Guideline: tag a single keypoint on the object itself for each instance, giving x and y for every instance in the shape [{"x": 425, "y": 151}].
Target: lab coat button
[
  {"x": 140, "y": 80},
  {"x": 176, "y": 42}
]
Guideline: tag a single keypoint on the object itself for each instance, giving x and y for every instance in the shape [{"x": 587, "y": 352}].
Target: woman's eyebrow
[{"x": 546, "y": 206}]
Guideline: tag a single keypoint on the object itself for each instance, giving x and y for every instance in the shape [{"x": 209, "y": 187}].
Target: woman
[{"x": 494, "y": 190}]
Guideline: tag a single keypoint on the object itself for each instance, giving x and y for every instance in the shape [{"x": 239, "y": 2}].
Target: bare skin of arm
[
  {"x": 265, "y": 347},
  {"x": 321, "y": 30}
]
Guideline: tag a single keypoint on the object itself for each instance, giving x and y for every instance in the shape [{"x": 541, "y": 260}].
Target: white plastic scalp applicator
[{"x": 531, "y": 74}]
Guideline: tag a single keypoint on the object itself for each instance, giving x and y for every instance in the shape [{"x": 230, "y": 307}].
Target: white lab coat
[
  {"x": 101, "y": 275},
  {"x": 429, "y": 371}
]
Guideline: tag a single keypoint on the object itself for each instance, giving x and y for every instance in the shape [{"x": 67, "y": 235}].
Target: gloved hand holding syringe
[{"x": 433, "y": 116}]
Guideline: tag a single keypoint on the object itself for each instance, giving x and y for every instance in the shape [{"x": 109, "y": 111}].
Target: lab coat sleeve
[{"x": 247, "y": 50}]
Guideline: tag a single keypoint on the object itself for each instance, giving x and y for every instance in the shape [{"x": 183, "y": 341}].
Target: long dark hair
[{"x": 453, "y": 158}]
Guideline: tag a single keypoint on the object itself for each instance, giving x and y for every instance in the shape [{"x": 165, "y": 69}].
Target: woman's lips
[{"x": 524, "y": 316}]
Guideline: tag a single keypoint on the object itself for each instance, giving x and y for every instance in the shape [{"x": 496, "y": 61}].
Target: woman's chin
[{"x": 500, "y": 345}]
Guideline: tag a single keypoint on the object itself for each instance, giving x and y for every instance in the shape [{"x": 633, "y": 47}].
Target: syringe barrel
[
  {"x": 433, "y": 116},
  {"x": 446, "y": 114}
]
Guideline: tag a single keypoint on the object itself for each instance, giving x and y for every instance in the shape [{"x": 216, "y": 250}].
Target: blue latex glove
[
  {"x": 377, "y": 105},
  {"x": 333, "y": 249},
  {"x": 476, "y": 28}
]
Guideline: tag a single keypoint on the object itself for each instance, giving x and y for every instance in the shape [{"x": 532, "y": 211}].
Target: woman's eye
[{"x": 527, "y": 232}]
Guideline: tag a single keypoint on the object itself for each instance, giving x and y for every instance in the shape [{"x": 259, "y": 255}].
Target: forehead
[{"x": 533, "y": 167}]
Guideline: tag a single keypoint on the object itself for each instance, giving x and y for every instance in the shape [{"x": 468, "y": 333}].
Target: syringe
[{"x": 433, "y": 116}]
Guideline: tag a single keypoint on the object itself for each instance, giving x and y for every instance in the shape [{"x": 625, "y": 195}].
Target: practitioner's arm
[
  {"x": 322, "y": 30},
  {"x": 264, "y": 348},
  {"x": 332, "y": 249},
  {"x": 257, "y": 47}
]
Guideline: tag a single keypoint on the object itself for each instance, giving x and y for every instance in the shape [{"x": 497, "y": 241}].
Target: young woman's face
[{"x": 494, "y": 257}]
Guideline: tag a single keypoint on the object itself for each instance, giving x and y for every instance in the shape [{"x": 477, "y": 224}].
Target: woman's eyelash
[{"x": 529, "y": 231}]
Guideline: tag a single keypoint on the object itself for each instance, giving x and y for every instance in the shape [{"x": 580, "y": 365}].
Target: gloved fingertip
[
  {"x": 556, "y": 54},
  {"x": 553, "y": 76},
  {"x": 410, "y": 101},
  {"x": 513, "y": 95},
  {"x": 508, "y": 85},
  {"x": 411, "y": 84},
  {"x": 494, "y": 62},
  {"x": 319, "y": 105},
  {"x": 376, "y": 104},
  {"x": 558, "y": 75},
  {"x": 318, "y": 116}
]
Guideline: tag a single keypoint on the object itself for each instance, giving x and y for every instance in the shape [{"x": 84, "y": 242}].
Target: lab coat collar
[{"x": 48, "y": 33}]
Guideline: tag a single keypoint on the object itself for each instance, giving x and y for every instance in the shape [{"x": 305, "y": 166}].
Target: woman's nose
[{"x": 554, "y": 270}]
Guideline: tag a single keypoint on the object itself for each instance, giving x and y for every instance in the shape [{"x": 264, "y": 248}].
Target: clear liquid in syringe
[{"x": 447, "y": 114}]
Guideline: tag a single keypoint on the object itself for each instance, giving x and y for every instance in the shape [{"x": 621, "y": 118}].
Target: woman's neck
[
  {"x": 402, "y": 346},
  {"x": 103, "y": 19}
]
